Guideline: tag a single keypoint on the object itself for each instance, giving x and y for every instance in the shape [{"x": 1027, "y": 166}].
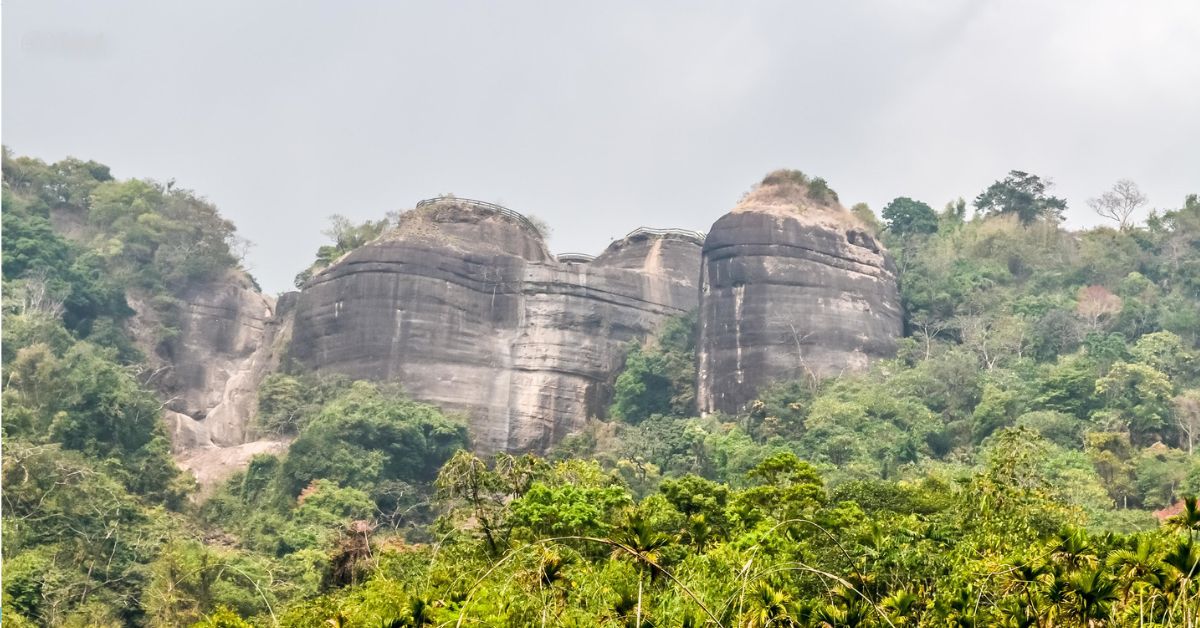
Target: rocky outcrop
[
  {"x": 464, "y": 306},
  {"x": 212, "y": 465},
  {"x": 227, "y": 340},
  {"x": 792, "y": 287}
]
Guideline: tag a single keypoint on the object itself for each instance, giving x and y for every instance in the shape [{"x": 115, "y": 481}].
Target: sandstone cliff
[
  {"x": 228, "y": 339},
  {"x": 792, "y": 287},
  {"x": 465, "y": 307}
]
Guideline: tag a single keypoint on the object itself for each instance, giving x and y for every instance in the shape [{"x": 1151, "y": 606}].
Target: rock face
[
  {"x": 228, "y": 340},
  {"x": 464, "y": 306},
  {"x": 791, "y": 288}
]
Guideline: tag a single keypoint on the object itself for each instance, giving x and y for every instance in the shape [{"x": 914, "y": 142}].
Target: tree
[
  {"x": 573, "y": 498},
  {"x": 905, "y": 217},
  {"x": 1186, "y": 410},
  {"x": 659, "y": 379},
  {"x": 704, "y": 504},
  {"x": 1096, "y": 303},
  {"x": 1054, "y": 333},
  {"x": 1119, "y": 203},
  {"x": 954, "y": 213},
  {"x": 163, "y": 238},
  {"x": 86, "y": 401},
  {"x": 641, "y": 390},
  {"x": 1166, "y": 352},
  {"x": 346, "y": 236},
  {"x": 72, "y": 535},
  {"x": 1023, "y": 195},
  {"x": 1111, "y": 454},
  {"x": 1137, "y": 396},
  {"x": 785, "y": 488},
  {"x": 1161, "y": 472},
  {"x": 367, "y": 436},
  {"x": 465, "y": 477}
]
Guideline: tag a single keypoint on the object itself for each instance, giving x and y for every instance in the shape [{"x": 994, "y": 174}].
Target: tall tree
[
  {"x": 904, "y": 217},
  {"x": 1023, "y": 195}
]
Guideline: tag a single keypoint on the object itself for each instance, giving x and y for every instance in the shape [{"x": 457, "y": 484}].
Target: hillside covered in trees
[{"x": 1024, "y": 460}]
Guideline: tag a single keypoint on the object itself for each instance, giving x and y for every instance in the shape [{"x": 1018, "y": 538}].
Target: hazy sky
[{"x": 601, "y": 116}]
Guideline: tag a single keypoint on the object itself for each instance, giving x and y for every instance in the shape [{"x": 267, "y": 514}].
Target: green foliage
[
  {"x": 1161, "y": 473},
  {"x": 1136, "y": 399},
  {"x": 782, "y": 551},
  {"x": 1023, "y": 195},
  {"x": 83, "y": 400},
  {"x": 193, "y": 584},
  {"x": 346, "y": 236},
  {"x": 659, "y": 380},
  {"x": 91, "y": 493},
  {"x": 367, "y": 436},
  {"x": 816, "y": 188},
  {"x": 76, "y": 239},
  {"x": 222, "y": 617},
  {"x": 287, "y": 403},
  {"x": 575, "y": 500},
  {"x": 905, "y": 216},
  {"x": 863, "y": 212},
  {"x": 163, "y": 238},
  {"x": 45, "y": 274},
  {"x": 70, "y": 531}
]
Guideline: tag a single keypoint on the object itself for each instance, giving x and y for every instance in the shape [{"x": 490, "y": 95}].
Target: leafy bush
[{"x": 366, "y": 436}]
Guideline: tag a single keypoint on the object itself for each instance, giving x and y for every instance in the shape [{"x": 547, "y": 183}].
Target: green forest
[{"x": 1027, "y": 459}]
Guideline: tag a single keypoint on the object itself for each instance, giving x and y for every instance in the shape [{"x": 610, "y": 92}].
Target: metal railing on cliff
[
  {"x": 685, "y": 233},
  {"x": 579, "y": 258},
  {"x": 470, "y": 202}
]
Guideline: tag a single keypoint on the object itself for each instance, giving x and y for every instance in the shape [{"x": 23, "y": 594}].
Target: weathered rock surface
[
  {"x": 465, "y": 307},
  {"x": 212, "y": 465},
  {"x": 791, "y": 288},
  {"x": 228, "y": 340}
]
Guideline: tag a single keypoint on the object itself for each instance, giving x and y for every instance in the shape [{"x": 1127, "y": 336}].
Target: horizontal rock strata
[{"x": 466, "y": 308}]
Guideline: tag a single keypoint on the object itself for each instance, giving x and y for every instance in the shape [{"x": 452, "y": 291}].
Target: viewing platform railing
[
  {"x": 575, "y": 257},
  {"x": 469, "y": 202},
  {"x": 694, "y": 235}
]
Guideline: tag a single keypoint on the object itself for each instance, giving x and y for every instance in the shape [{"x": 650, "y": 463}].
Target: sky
[{"x": 599, "y": 117}]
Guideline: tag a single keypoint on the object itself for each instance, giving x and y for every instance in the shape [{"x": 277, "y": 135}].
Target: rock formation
[
  {"x": 793, "y": 286},
  {"x": 464, "y": 306},
  {"x": 228, "y": 340}
]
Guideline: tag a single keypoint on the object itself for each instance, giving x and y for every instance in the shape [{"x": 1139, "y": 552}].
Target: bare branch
[{"x": 1119, "y": 203}]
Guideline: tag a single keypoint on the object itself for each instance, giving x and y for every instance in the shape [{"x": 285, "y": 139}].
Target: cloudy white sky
[{"x": 601, "y": 116}]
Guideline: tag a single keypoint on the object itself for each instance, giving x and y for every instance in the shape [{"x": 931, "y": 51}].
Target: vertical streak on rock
[
  {"x": 704, "y": 377},
  {"x": 790, "y": 288},
  {"x": 739, "y": 298}
]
